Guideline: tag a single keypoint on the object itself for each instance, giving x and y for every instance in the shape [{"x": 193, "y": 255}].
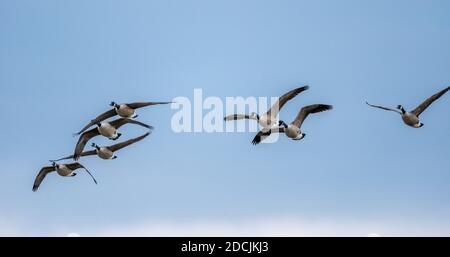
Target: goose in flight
[
  {"x": 107, "y": 152},
  {"x": 123, "y": 110},
  {"x": 292, "y": 130},
  {"x": 106, "y": 129},
  {"x": 269, "y": 119},
  {"x": 412, "y": 118},
  {"x": 64, "y": 170}
]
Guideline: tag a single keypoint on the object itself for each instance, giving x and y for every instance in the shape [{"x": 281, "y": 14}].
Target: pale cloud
[
  {"x": 282, "y": 227},
  {"x": 10, "y": 228},
  {"x": 257, "y": 227}
]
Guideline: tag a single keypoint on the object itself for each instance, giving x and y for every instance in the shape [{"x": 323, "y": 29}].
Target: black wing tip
[
  {"x": 156, "y": 103},
  {"x": 369, "y": 104},
  {"x": 256, "y": 140},
  {"x": 329, "y": 107},
  {"x": 230, "y": 117},
  {"x": 325, "y": 107},
  {"x": 301, "y": 89},
  {"x": 35, "y": 188}
]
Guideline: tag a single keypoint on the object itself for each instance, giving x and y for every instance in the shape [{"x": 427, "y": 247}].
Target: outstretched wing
[
  {"x": 429, "y": 101},
  {"x": 100, "y": 118},
  {"x": 264, "y": 134},
  {"x": 119, "y": 146},
  {"x": 41, "y": 175},
  {"x": 84, "y": 138},
  {"x": 122, "y": 121},
  {"x": 384, "y": 108},
  {"x": 237, "y": 117},
  {"x": 64, "y": 158},
  {"x": 305, "y": 111},
  {"x": 87, "y": 153},
  {"x": 77, "y": 165},
  {"x": 144, "y": 104},
  {"x": 276, "y": 107}
]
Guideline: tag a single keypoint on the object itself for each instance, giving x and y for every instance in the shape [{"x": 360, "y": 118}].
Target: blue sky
[{"x": 359, "y": 170}]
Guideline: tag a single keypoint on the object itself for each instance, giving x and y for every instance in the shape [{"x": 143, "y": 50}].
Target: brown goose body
[
  {"x": 127, "y": 111},
  {"x": 293, "y": 130},
  {"x": 107, "y": 129},
  {"x": 64, "y": 170},
  {"x": 269, "y": 119},
  {"x": 412, "y": 118}
]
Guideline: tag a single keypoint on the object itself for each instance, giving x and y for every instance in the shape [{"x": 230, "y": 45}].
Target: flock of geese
[
  {"x": 108, "y": 129},
  {"x": 268, "y": 121}
]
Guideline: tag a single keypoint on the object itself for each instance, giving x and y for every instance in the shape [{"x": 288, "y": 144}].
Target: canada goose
[
  {"x": 412, "y": 118},
  {"x": 106, "y": 129},
  {"x": 64, "y": 170},
  {"x": 268, "y": 119},
  {"x": 107, "y": 152},
  {"x": 123, "y": 110},
  {"x": 293, "y": 130}
]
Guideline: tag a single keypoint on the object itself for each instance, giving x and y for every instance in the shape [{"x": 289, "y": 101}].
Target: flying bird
[
  {"x": 268, "y": 120},
  {"x": 292, "y": 130},
  {"x": 64, "y": 170},
  {"x": 412, "y": 118},
  {"x": 107, "y": 153},
  {"x": 123, "y": 110},
  {"x": 106, "y": 129}
]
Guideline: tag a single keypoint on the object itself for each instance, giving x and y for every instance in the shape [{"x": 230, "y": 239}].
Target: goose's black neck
[{"x": 282, "y": 123}]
